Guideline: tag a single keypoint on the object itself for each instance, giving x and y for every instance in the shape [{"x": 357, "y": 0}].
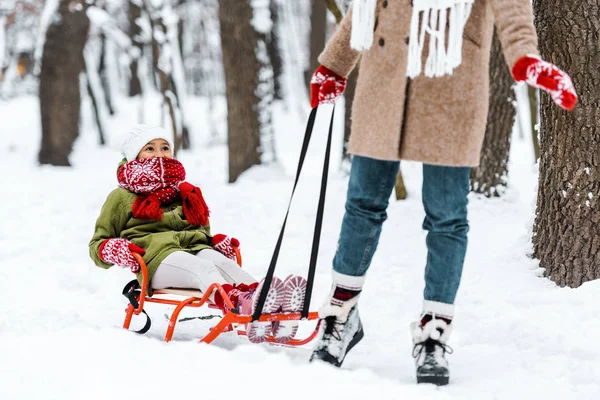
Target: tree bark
[
  {"x": 62, "y": 62},
  {"x": 135, "y": 11},
  {"x": 239, "y": 42},
  {"x": 490, "y": 177},
  {"x": 566, "y": 239},
  {"x": 104, "y": 78},
  {"x": 275, "y": 51},
  {"x": 318, "y": 32},
  {"x": 533, "y": 111}
]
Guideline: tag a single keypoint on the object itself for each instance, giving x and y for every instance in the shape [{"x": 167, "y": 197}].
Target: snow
[
  {"x": 261, "y": 16},
  {"x": 2, "y": 40},
  {"x": 516, "y": 334}
]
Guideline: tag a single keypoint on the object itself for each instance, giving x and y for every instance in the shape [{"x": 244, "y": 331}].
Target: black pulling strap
[
  {"x": 318, "y": 223},
  {"x": 132, "y": 290}
]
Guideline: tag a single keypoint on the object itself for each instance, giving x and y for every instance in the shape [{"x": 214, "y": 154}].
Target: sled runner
[{"x": 232, "y": 320}]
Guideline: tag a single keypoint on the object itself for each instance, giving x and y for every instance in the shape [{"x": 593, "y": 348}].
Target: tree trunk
[
  {"x": 239, "y": 42},
  {"x": 104, "y": 78},
  {"x": 275, "y": 51},
  {"x": 533, "y": 111},
  {"x": 318, "y": 32},
  {"x": 135, "y": 11},
  {"x": 349, "y": 97},
  {"x": 62, "y": 62},
  {"x": 490, "y": 177},
  {"x": 567, "y": 223}
]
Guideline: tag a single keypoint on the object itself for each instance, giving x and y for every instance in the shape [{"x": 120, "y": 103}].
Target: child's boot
[
  {"x": 294, "y": 291},
  {"x": 256, "y": 331}
]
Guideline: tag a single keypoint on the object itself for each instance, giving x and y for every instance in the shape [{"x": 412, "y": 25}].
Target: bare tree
[
  {"x": 275, "y": 51},
  {"x": 490, "y": 177},
  {"x": 567, "y": 223},
  {"x": 318, "y": 32},
  {"x": 244, "y": 53},
  {"x": 134, "y": 12},
  {"x": 62, "y": 62}
]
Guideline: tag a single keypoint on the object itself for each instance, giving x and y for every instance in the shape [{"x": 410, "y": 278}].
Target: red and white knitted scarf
[{"x": 160, "y": 181}]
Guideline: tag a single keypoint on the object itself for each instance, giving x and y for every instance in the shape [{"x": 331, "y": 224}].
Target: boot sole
[
  {"x": 294, "y": 291},
  {"x": 258, "y": 332},
  {"x": 436, "y": 380}
]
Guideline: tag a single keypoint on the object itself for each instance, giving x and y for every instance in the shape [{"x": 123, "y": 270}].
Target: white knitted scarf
[{"x": 428, "y": 17}]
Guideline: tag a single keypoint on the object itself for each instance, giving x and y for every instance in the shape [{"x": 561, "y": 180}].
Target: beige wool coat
[{"x": 438, "y": 121}]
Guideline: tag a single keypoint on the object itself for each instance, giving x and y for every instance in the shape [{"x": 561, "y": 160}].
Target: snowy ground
[{"x": 516, "y": 335}]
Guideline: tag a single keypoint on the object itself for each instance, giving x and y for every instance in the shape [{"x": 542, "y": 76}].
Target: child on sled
[{"x": 159, "y": 215}]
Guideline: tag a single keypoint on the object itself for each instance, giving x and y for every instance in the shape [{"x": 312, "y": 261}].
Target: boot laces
[
  {"x": 333, "y": 328},
  {"x": 430, "y": 345}
]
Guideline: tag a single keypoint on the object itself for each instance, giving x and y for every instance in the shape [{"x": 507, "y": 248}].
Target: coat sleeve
[
  {"x": 514, "y": 22},
  {"x": 109, "y": 224},
  {"x": 338, "y": 56}
]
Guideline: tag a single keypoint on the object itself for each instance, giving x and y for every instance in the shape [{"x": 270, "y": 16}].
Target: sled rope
[{"x": 318, "y": 223}]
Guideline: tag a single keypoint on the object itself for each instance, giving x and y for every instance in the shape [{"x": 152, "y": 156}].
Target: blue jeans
[{"x": 445, "y": 191}]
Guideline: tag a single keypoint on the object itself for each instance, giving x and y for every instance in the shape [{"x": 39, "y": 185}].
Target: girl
[{"x": 159, "y": 215}]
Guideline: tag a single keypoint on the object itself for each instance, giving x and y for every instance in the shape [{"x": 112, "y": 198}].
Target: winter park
[{"x": 199, "y": 196}]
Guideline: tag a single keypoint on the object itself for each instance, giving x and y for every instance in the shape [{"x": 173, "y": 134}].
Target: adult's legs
[{"x": 445, "y": 191}]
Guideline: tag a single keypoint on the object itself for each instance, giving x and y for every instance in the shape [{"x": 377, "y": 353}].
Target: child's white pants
[{"x": 185, "y": 270}]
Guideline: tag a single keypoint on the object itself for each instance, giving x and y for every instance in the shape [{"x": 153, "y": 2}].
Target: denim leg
[
  {"x": 369, "y": 189},
  {"x": 445, "y": 191}
]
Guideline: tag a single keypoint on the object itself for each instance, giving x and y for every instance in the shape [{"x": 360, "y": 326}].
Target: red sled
[{"x": 230, "y": 321}]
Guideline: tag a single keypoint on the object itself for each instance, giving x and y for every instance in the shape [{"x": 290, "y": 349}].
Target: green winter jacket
[{"x": 158, "y": 238}]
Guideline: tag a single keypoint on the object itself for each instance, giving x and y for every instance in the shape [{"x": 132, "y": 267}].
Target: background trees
[{"x": 251, "y": 60}]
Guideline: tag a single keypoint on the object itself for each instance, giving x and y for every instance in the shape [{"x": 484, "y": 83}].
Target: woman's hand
[
  {"x": 326, "y": 86},
  {"x": 546, "y": 76}
]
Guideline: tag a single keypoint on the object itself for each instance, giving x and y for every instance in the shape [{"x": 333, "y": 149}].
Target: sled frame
[{"x": 195, "y": 298}]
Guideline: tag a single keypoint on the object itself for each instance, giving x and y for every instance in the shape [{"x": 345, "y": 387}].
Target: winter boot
[
  {"x": 341, "y": 328},
  {"x": 233, "y": 292},
  {"x": 294, "y": 290},
  {"x": 429, "y": 337},
  {"x": 256, "y": 331}
]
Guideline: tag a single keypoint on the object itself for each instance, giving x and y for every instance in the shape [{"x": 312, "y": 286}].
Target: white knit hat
[{"x": 139, "y": 136}]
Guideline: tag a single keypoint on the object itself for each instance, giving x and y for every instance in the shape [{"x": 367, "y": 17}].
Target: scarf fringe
[
  {"x": 431, "y": 17},
  {"x": 194, "y": 207},
  {"x": 363, "y": 24},
  {"x": 147, "y": 207}
]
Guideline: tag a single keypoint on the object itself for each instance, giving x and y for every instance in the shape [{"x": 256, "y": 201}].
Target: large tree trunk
[
  {"x": 62, "y": 62},
  {"x": 489, "y": 178},
  {"x": 566, "y": 239},
  {"x": 135, "y": 12},
  {"x": 239, "y": 42},
  {"x": 318, "y": 21}
]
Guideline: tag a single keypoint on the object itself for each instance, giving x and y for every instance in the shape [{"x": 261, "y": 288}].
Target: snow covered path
[{"x": 516, "y": 335}]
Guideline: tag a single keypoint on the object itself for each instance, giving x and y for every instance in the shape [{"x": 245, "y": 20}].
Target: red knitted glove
[
  {"x": 326, "y": 86},
  {"x": 118, "y": 251},
  {"x": 544, "y": 75},
  {"x": 225, "y": 245}
]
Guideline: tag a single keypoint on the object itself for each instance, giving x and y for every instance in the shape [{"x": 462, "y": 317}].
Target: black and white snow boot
[
  {"x": 430, "y": 348},
  {"x": 340, "y": 328}
]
